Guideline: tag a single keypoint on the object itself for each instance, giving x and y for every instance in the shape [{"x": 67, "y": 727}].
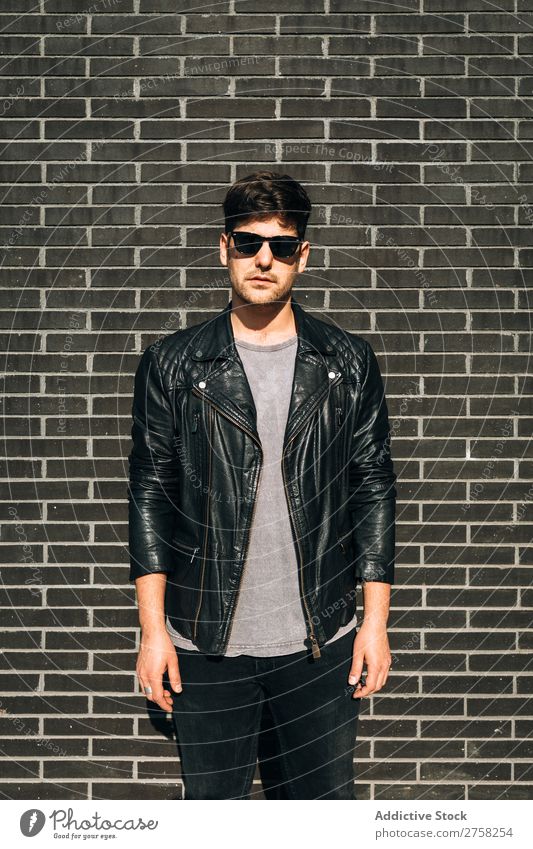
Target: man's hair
[{"x": 266, "y": 193}]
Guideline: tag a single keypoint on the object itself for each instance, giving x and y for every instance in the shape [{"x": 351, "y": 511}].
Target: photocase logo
[{"x": 32, "y": 822}]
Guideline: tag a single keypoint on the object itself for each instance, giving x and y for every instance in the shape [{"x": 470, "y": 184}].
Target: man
[{"x": 261, "y": 493}]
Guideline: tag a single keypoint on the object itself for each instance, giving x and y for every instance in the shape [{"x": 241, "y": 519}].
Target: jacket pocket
[
  {"x": 196, "y": 439},
  {"x": 344, "y": 542},
  {"x": 339, "y": 455},
  {"x": 183, "y": 587},
  {"x": 339, "y": 413},
  {"x": 187, "y": 554}
]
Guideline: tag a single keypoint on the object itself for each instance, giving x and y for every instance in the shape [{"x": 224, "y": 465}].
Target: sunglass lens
[
  {"x": 283, "y": 246},
  {"x": 247, "y": 243}
]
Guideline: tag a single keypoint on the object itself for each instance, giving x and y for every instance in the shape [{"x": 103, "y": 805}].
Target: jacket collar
[{"x": 216, "y": 339}]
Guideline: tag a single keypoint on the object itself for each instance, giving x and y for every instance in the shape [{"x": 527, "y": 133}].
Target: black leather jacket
[{"x": 196, "y": 462}]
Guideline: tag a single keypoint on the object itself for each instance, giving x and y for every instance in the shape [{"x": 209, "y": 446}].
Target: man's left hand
[{"x": 370, "y": 647}]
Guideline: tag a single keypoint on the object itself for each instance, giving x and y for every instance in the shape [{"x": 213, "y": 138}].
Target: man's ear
[
  {"x": 224, "y": 249},
  {"x": 304, "y": 256}
]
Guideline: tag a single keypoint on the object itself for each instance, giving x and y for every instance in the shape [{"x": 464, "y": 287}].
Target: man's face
[{"x": 276, "y": 276}]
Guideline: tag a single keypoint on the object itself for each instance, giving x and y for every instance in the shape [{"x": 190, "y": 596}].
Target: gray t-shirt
[{"x": 269, "y": 618}]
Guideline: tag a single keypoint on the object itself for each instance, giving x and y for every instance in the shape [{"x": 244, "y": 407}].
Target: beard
[{"x": 252, "y": 292}]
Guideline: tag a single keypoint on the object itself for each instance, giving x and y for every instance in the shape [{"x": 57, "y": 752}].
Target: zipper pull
[
  {"x": 315, "y": 648},
  {"x": 194, "y": 553},
  {"x": 338, "y": 415},
  {"x": 194, "y": 427}
]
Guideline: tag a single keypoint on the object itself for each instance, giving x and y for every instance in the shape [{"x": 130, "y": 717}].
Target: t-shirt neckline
[{"x": 252, "y": 346}]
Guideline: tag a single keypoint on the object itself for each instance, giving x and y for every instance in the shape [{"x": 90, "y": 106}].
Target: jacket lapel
[{"x": 226, "y": 384}]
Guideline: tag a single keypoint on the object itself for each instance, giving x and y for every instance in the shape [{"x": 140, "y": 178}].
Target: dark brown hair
[{"x": 266, "y": 193}]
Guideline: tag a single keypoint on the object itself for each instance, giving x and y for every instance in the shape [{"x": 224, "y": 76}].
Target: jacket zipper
[
  {"x": 338, "y": 454},
  {"x": 204, "y": 556},
  {"x": 249, "y": 432},
  {"x": 315, "y": 648},
  {"x": 244, "y": 560}
]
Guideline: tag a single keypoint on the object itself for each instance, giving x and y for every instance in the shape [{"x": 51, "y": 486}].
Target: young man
[{"x": 261, "y": 493}]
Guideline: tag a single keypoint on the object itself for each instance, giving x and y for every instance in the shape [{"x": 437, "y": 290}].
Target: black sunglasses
[{"x": 248, "y": 244}]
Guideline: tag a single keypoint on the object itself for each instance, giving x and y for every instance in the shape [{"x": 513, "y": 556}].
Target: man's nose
[{"x": 264, "y": 256}]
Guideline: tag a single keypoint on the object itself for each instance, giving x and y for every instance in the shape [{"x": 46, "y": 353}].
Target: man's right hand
[{"x": 157, "y": 654}]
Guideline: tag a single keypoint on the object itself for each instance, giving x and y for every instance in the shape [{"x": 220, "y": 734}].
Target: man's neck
[{"x": 261, "y": 324}]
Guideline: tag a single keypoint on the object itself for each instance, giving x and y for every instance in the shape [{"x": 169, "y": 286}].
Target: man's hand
[
  {"x": 157, "y": 653},
  {"x": 371, "y": 646}
]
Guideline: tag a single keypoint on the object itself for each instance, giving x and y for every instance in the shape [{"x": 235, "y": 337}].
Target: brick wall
[{"x": 123, "y": 123}]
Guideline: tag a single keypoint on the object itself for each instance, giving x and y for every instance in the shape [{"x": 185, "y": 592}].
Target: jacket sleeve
[
  {"x": 372, "y": 500},
  {"x": 153, "y": 471}
]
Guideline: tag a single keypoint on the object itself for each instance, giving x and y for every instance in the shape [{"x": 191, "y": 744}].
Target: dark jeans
[{"x": 219, "y": 716}]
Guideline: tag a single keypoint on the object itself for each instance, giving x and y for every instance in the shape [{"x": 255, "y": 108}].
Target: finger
[
  {"x": 158, "y": 697},
  {"x": 143, "y": 677},
  {"x": 360, "y": 684},
  {"x": 174, "y": 676},
  {"x": 384, "y": 673},
  {"x": 382, "y": 680},
  {"x": 356, "y": 669},
  {"x": 148, "y": 695},
  {"x": 367, "y": 688},
  {"x": 378, "y": 685},
  {"x": 363, "y": 688},
  {"x": 168, "y": 700},
  {"x": 142, "y": 686},
  {"x": 155, "y": 686}
]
